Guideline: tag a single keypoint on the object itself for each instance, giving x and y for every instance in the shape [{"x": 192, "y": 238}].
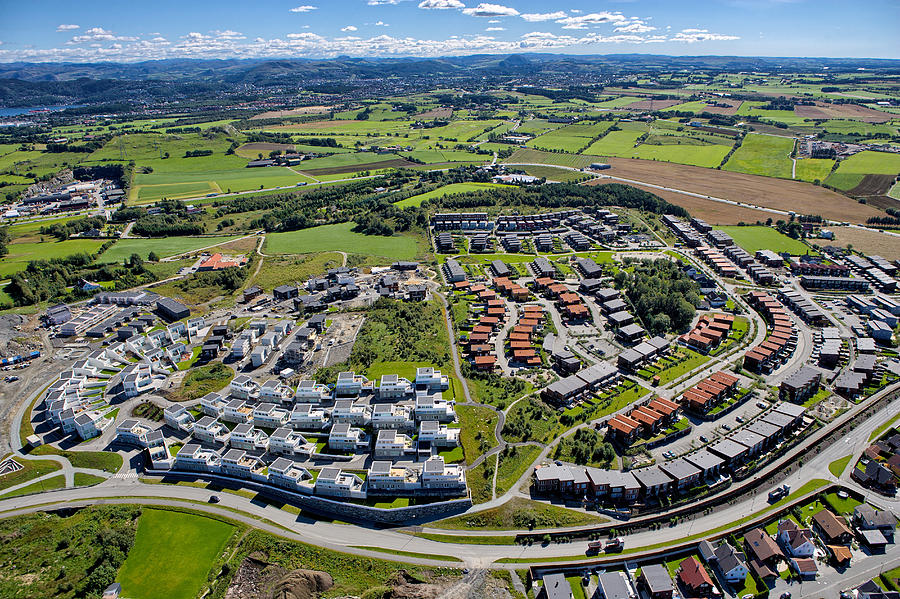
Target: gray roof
[
  {"x": 613, "y": 585},
  {"x": 748, "y": 438},
  {"x": 704, "y": 460},
  {"x": 657, "y": 578},
  {"x": 651, "y": 477},
  {"x": 556, "y": 586},
  {"x": 679, "y": 469},
  {"x": 790, "y": 409},
  {"x": 728, "y": 449},
  {"x": 764, "y": 429},
  {"x": 242, "y": 429}
]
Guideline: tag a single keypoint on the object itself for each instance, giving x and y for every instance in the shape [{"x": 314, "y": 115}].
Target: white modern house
[
  {"x": 309, "y": 417},
  {"x": 391, "y": 443},
  {"x": 311, "y": 392},
  {"x": 210, "y": 430},
  {"x": 345, "y": 437},
  {"x": 243, "y": 387},
  {"x": 333, "y": 482},
  {"x": 178, "y": 417}
]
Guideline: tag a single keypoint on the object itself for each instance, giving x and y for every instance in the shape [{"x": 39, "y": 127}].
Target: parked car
[
  {"x": 703, "y": 439},
  {"x": 214, "y": 499}
]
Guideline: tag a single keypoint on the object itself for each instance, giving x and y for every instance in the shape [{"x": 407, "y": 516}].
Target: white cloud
[
  {"x": 486, "y": 9},
  {"x": 99, "y": 34},
  {"x": 381, "y": 24},
  {"x": 594, "y": 18},
  {"x": 440, "y": 4},
  {"x": 65, "y": 27},
  {"x": 348, "y": 28},
  {"x": 536, "y": 17},
  {"x": 380, "y": 2},
  {"x": 228, "y": 34},
  {"x": 496, "y": 29},
  {"x": 635, "y": 27},
  {"x": 304, "y": 8},
  {"x": 691, "y": 36}
]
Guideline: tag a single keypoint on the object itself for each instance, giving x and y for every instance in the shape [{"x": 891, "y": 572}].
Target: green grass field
[
  {"x": 851, "y": 171},
  {"x": 279, "y": 270},
  {"x": 20, "y": 254},
  {"x": 810, "y": 169},
  {"x": 838, "y": 466},
  {"x": 553, "y": 174},
  {"x": 615, "y": 143},
  {"x": 172, "y": 555},
  {"x": 513, "y": 464},
  {"x": 448, "y": 190},
  {"x": 164, "y": 247},
  {"x": 529, "y": 156},
  {"x": 755, "y": 238},
  {"x": 340, "y": 237},
  {"x": 710, "y": 155},
  {"x": 762, "y": 155}
]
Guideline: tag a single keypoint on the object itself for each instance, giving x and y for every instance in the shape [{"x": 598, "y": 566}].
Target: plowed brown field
[{"x": 803, "y": 198}]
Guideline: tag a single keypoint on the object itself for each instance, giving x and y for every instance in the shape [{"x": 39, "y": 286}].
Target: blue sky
[{"x": 51, "y": 30}]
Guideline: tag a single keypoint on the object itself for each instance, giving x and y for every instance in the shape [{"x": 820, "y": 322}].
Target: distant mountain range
[
  {"x": 118, "y": 86},
  {"x": 265, "y": 70}
]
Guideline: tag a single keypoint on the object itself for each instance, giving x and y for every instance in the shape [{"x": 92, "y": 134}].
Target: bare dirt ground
[
  {"x": 653, "y": 104},
  {"x": 715, "y": 213},
  {"x": 731, "y": 109},
  {"x": 873, "y": 185},
  {"x": 276, "y": 114},
  {"x": 445, "y": 112},
  {"x": 868, "y": 242},
  {"x": 803, "y": 198},
  {"x": 842, "y": 111}
]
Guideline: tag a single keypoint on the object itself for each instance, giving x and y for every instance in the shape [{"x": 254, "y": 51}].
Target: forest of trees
[
  {"x": 64, "y": 230},
  {"x": 44, "y": 280},
  {"x": 662, "y": 294}
]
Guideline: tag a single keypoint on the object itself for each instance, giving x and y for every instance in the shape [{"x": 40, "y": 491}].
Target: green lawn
[
  {"x": 20, "y": 254},
  {"x": 96, "y": 460},
  {"x": 841, "y": 506},
  {"x": 182, "y": 546},
  {"x": 615, "y": 143},
  {"x": 202, "y": 380},
  {"x": 30, "y": 469},
  {"x": 341, "y": 237},
  {"x": 446, "y": 190},
  {"x": 49, "y": 484},
  {"x": 518, "y": 514},
  {"x": 164, "y": 247},
  {"x": 755, "y": 238},
  {"x": 513, "y": 463},
  {"x": 477, "y": 434},
  {"x": 682, "y": 361},
  {"x": 763, "y": 155}
]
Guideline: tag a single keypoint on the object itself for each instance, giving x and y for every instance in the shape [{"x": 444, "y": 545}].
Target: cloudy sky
[{"x": 51, "y": 30}]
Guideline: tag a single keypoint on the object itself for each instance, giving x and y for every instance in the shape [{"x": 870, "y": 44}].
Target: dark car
[{"x": 214, "y": 499}]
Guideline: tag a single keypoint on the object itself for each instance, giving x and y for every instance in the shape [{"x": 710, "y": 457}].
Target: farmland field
[
  {"x": 553, "y": 174},
  {"x": 697, "y": 155},
  {"x": 802, "y": 198},
  {"x": 183, "y": 546},
  {"x": 529, "y": 156},
  {"x": 866, "y": 241},
  {"x": 152, "y": 187},
  {"x": 763, "y": 155},
  {"x": 810, "y": 169},
  {"x": 20, "y": 254},
  {"x": 851, "y": 171},
  {"x": 164, "y": 247},
  {"x": 340, "y": 237},
  {"x": 615, "y": 143},
  {"x": 763, "y": 238},
  {"x": 447, "y": 190}
]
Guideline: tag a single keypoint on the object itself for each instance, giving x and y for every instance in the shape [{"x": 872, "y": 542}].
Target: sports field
[
  {"x": 20, "y": 254},
  {"x": 852, "y": 170},
  {"x": 445, "y": 191},
  {"x": 163, "y": 247},
  {"x": 766, "y": 238},
  {"x": 172, "y": 555},
  {"x": 765, "y": 155},
  {"x": 340, "y": 237}
]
